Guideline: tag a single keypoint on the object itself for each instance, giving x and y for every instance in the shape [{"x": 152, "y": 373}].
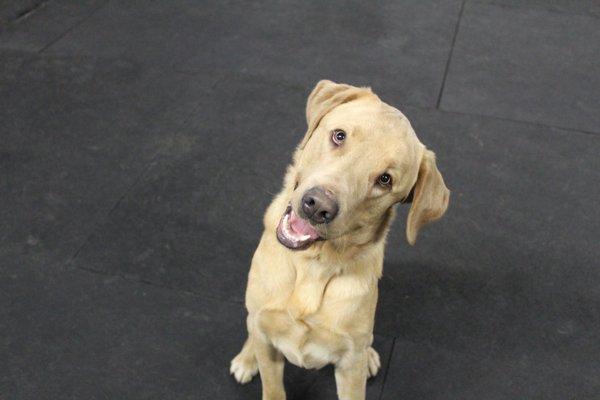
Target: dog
[{"x": 312, "y": 286}]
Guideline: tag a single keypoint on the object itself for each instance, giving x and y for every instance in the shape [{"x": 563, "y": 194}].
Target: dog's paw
[
  {"x": 243, "y": 368},
  {"x": 373, "y": 362}
]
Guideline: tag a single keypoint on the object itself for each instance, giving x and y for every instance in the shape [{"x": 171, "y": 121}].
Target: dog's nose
[{"x": 319, "y": 206}]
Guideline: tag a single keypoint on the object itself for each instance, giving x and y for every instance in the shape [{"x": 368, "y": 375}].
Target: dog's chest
[
  {"x": 303, "y": 347},
  {"x": 302, "y": 340},
  {"x": 313, "y": 328}
]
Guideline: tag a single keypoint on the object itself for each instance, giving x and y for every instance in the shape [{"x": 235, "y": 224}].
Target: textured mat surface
[{"x": 142, "y": 141}]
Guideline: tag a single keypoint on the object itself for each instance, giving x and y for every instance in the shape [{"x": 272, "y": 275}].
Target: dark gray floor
[{"x": 141, "y": 141}]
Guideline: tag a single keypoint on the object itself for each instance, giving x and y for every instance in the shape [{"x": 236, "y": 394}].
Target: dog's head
[{"x": 358, "y": 158}]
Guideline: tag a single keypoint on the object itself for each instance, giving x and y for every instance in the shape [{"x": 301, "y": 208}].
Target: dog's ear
[
  {"x": 429, "y": 197},
  {"x": 325, "y": 97}
]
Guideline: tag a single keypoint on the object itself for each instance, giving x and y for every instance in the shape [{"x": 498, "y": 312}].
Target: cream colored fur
[{"x": 316, "y": 306}]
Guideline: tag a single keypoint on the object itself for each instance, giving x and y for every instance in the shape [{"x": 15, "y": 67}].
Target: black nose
[{"x": 319, "y": 206}]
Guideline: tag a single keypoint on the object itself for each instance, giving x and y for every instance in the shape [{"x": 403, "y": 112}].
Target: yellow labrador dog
[{"x": 312, "y": 287}]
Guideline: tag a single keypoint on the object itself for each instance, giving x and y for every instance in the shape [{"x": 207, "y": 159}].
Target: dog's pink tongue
[{"x": 302, "y": 227}]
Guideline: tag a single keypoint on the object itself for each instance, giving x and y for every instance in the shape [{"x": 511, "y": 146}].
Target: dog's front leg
[
  {"x": 351, "y": 376},
  {"x": 270, "y": 365}
]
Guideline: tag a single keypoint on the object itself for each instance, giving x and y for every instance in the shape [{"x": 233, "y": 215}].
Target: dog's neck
[{"x": 316, "y": 266}]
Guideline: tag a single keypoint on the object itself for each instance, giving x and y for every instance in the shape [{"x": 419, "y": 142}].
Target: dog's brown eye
[
  {"x": 338, "y": 136},
  {"x": 384, "y": 180}
]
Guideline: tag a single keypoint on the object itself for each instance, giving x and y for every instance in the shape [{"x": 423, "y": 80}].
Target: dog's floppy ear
[
  {"x": 429, "y": 197},
  {"x": 325, "y": 97}
]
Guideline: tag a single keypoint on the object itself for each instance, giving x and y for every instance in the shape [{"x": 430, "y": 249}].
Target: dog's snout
[{"x": 319, "y": 206}]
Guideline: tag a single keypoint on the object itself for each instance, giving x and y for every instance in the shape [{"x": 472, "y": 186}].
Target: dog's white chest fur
[
  {"x": 300, "y": 330},
  {"x": 311, "y": 329},
  {"x": 304, "y": 351}
]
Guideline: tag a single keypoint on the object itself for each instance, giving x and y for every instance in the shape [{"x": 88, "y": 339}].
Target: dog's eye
[
  {"x": 338, "y": 136},
  {"x": 384, "y": 180}
]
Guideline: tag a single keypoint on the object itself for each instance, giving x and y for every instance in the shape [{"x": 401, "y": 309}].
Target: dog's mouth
[{"x": 294, "y": 232}]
